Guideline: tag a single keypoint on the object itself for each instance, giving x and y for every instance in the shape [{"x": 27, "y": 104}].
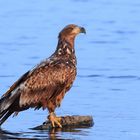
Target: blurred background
[{"x": 107, "y": 84}]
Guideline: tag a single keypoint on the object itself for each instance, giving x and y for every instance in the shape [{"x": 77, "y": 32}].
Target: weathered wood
[{"x": 69, "y": 121}]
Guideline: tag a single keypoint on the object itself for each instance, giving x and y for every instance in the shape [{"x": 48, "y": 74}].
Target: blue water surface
[{"x": 107, "y": 84}]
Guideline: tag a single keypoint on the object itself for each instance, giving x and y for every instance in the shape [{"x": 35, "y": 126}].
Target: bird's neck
[{"x": 65, "y": 47}]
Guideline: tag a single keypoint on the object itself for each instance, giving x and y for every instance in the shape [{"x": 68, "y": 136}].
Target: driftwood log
[{"x": 69, "y": 122}]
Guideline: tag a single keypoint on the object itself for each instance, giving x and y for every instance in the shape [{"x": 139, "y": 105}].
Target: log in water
[{"x": 69, "y": 121}]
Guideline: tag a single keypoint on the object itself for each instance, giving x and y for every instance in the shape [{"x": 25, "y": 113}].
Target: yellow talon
[{"x": 54, "y": 120}]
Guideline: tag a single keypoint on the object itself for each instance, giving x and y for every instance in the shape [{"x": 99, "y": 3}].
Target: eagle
[{"x": 45, "y": 85}]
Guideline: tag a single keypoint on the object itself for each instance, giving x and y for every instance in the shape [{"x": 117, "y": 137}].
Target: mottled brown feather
[{"x": 46, "y": 83}]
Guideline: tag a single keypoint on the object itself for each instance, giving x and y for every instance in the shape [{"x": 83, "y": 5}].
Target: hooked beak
[{"x": 82, "y": 30}]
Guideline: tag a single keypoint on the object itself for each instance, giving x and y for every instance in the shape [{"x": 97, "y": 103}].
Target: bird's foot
[{"x": 54, "y": 120}]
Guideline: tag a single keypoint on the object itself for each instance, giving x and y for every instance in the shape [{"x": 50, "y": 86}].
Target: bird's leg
[{"x": 54, "y": 120}]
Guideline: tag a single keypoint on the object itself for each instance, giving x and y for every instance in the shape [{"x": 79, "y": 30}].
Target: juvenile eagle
[{"x": 46, "y": 84}]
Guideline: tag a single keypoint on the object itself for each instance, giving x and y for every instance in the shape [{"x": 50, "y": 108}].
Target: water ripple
[
  {"x": 6, "y": 76},
  {"x": 16, "y": 44},
  {"x": 122, "y": 32},
  {"x": 124, "y": 77},
  {"x": 104, "y": 42},
  {"x": 90, "y": 76}
]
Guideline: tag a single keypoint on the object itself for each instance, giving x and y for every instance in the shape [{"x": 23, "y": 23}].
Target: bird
[{"x": 45, "y": 85}]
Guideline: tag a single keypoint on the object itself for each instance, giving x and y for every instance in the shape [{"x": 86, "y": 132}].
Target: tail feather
[
  {"x": 2, "y": 113},
  {"x": 10, "y": 99},
  {"x": 5, "y": 116},
  {"x": 5, "y": 108}
]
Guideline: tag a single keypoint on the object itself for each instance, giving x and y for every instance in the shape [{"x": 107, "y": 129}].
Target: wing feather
[
  {"x": 45, "y": 83},
  {"x": 16, "y": 84}
]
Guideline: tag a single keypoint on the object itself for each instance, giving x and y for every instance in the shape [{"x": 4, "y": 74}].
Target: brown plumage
[{"x": 46, "y": 84}]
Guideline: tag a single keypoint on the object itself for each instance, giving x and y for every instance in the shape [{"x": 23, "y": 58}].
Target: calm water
[{"x": 107, "y": 85}]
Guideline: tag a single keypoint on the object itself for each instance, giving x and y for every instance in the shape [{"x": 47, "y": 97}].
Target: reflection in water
[
  {"x": 8, "y": 135},
  {"x": 54, "y": 134}
]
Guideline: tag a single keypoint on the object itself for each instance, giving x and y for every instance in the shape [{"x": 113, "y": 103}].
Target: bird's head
[{"x": 70, "y": 31}]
